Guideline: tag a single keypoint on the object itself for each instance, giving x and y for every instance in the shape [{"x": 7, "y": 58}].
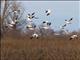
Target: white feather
[
  {"x": 74, "y": 36},
  {"x": 35, "y": 35},
  {"x": 49, "y": 11}
]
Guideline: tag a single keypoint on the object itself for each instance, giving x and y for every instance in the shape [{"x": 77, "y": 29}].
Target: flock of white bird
[{"x": 45, "y": 24}]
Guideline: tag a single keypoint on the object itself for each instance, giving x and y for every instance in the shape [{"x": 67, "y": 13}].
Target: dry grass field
[{"x": 50, "y": 48}]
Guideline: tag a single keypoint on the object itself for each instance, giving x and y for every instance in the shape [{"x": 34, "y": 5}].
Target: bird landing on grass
[
  {"x": 74, "y": 37},
  {"x": 35, "y": 35}
]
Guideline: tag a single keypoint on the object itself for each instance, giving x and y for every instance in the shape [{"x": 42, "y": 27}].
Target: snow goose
[
  {"x": 35, "y": 35},
  {"x": 48, "y": 12},
  {"x": 73, "y": 36},
  {"x": 68, "y": 21}
]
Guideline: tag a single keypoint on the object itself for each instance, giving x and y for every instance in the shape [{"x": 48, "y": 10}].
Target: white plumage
[
  {"x": 73, "y": 36},
  {"x": 15, "y": 12},
  {"x": 12, "y": 22},
  {"x": 28, "y": 19},
  {"x": 68, "y": 21},
  {"x": 63, "y": 26},
  {"x": 46, "y": 24},
  {"x": 10, "y": 25},
  {"x": 48, "y": 12},
  {"x": 30, "y": 26},
  {"x": 45, "y": 27},
  {"x": 31, "y": 16},
  {"x": 35, "y": 35}
]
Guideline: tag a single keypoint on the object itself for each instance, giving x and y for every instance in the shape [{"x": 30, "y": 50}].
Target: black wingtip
[
  {"x": 44, "y": 22},
  {"x": 65, "y": 20},
  {"x": 46, "y": 11},
  {"x": 31, "y": 37},
  {"x": 71, "y": 18},
  {"x": 33, "y": 13},
  {"x": 70, "y": 39},
  {"x": 48, "y": 14}
]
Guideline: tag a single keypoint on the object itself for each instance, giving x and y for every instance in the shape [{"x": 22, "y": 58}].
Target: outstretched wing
[
  {"x": 28, "y": 14},
  {"x": 46, "y": 11},
  {"x": 71, "y": 19},
  {"x": 33, "y": 13},
  {"x": 64, "y": 25},
  {"x": 65, "y": 20}
]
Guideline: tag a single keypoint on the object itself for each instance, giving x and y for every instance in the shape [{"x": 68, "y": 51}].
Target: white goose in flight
[
  {"x": 31, "y": 16},
  {"x": 46, "y": 24},
  {"x": 48, "y": 12},
  {"x": 68, "y": 21}
]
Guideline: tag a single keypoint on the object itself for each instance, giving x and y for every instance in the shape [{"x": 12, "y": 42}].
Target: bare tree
[{"x": 8, "y": 13}]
